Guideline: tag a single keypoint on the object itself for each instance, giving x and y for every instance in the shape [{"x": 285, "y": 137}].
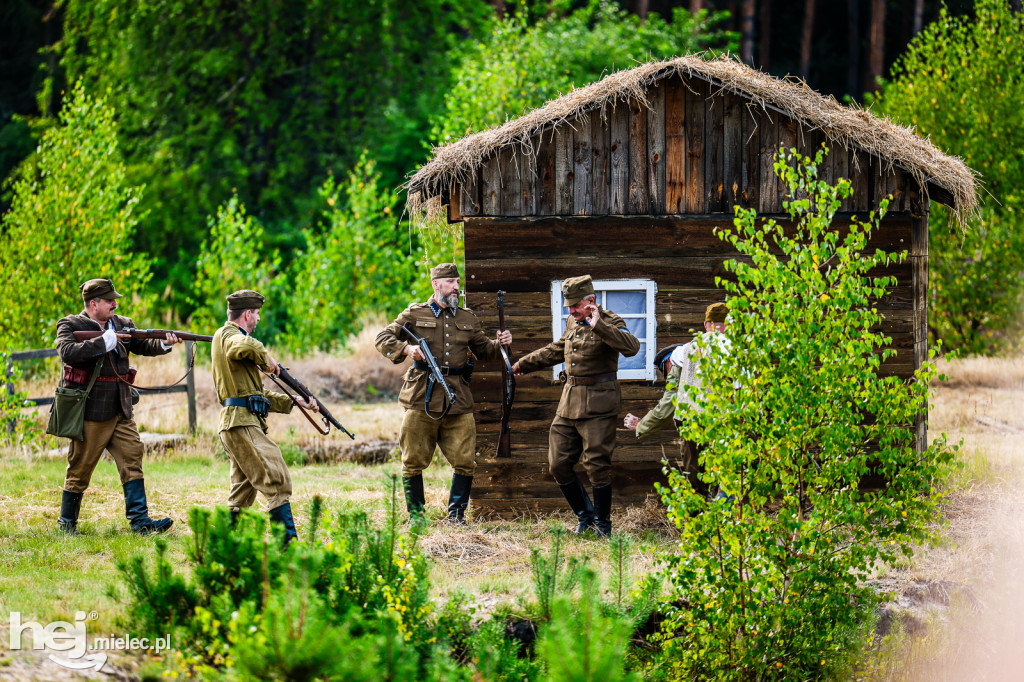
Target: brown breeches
[
  {"x": 256, "y": 466},
  {"x": 118, "y": 436},
  {"x": 592, "y": 440},
  {"x": 421, "y": 435}
]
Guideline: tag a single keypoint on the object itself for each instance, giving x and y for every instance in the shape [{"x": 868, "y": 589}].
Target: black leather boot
[
  {"x": 414, "y": 499},
  {"x": 137, "y": 511},
  {"x": 603, "y": 507},
  {"x": 576, "y": 496},
  {"x": 70, "y": 504},
  {"x": 458, "y": 498},
  {"x": 283, "y": 515},
  {"x": 235, "y": 513}
]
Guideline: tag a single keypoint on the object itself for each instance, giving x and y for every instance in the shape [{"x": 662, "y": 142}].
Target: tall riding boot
[
  {"x": 70, "y": 504},
  {"x": 458, "y": 498},
  {"x": 414, "y": 499},
  {"x": 137, "y": 511},
  {"x": 576, "y": 496},
  {"x": 283, "y": 515},
  {"x": 603, "y": 506}
]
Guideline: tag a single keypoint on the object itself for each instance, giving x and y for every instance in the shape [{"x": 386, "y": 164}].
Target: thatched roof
[{"x": 948, "y": 178}]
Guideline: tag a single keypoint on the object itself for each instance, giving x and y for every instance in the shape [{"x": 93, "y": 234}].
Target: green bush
[
  {"x": 959, "y": 83},
  {"x": 767, "y": 582},
  {"x": 72, "y": 218}
]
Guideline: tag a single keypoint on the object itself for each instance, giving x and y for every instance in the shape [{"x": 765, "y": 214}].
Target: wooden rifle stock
[
  {"x": 145, "y": 334},
  {"x": 508, "y": 387},
  {"x": 284, "y": 378}
]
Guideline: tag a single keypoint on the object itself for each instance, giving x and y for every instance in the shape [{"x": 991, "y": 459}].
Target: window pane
[
  {"x": 637, "y": 326},
  {"x": 635, "y": 362},
  {"x": 624, "y": 302}
]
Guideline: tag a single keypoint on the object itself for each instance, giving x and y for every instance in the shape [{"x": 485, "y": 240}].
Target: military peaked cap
[
  {"x": 575, "y": 289},
  {"x": 659, "y": 359},
  {"x": 98, "y": 288},
  {"x": 444, "y": 271},
  {"x": 716, "y": 312},
  {"x": 245, "y": 299}
]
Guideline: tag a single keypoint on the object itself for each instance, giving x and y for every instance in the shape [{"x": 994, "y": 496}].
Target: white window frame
[{"x": 601, "y": 287}]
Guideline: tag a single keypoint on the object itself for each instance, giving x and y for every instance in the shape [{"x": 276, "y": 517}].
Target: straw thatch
[{"x": 847, "y": 126}]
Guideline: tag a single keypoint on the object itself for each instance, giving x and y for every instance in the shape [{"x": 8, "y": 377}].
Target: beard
[{"x": 451, "y": 300}]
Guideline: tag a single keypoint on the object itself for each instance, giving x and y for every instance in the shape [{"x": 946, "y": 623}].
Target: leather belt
[
  {"x": 235, "y": 402},
  {"x": 465, "y": 370},
  {"x": 80, "y": 376},
  {"x": 591, "y": 380}
]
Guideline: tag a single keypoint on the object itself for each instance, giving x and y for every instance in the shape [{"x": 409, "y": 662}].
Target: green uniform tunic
[
  {"x": 587, "y": 415},
  {"x": 256, "y": 461},
  {"x": 455, "y": 337}
]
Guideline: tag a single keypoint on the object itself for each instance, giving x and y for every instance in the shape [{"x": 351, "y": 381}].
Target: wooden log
[
  {"x": 454, "y": 200},
  {"x": 638, "y": 202},
  {"x": 583, "y": 166},
  {"x": 546, "y": 175},
  {"x": 469, "y": 194},
  {"x": 732, "y": 151},
  {"x": 694, "y": 125},
  {"x": 600, "y": 142},
  {"x": 564, "y": 170},
  {"x": 511, "y": 182},
  {"x": 675, "y": 147},
  {"x": 528, "y": 178},
  {"x": 656, "y": 149},
  {"x": 490, "y": 190},
  {"x": 619, "y": 151},
  {"x": 714, "y": 154}
]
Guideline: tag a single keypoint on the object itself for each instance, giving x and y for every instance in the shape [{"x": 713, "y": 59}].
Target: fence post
[
  {"x": 190, "y": 383},
  {"x": 9, "y": 387}
]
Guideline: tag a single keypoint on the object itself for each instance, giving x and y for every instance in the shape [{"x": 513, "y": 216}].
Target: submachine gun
[{"x": 436, "y": 376}]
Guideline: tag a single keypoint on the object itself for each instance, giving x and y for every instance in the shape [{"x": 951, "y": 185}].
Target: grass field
[{"x": 48, "y": 577}]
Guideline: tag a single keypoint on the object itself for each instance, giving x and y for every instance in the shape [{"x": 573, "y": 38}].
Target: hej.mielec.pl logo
[{"x": 73, "y": 639}]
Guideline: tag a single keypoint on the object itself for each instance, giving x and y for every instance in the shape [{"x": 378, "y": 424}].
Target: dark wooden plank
[
  {"x": 675, "y": 147},
  {"x": 787, "y": 141},
  {"x": 528, "y": 178},
  {"x": 618, "y": 150},
  {"x": 469, "y": 194},
  {"x": 546, "y": 175},
  {"x": 563, "y": 170},
  {"x": 750, "y": 186},
  {"x": 454, "y": 199},
  {"x": 841, "y": 159},
  {"x": 583, "y": 166},
  {"x": 600, "y": 139},
  {"x": 827, "y": 172},
  {"x": 511, "y": 182},
  {"x": 639, "y": 196},
  {"x": 769, "y": 141},
  {"x": 732, "y": 151},
  {"x": 696, "y": 102},
  {"x": 490, "y": 188},
  {"x": 714, "y": 152},
  {"x": 656, "y": 149},
  {"x": 860, "y": 169}
]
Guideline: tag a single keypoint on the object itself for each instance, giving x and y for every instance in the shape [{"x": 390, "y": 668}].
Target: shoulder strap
[{"x": 95, "y": 373}]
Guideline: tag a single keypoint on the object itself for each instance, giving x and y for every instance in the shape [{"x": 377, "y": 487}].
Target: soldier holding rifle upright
[
  {"x": 453, "y": 336},
  {"x": 256, "y": 461},
  {"x": 584, "y": 424},
  {"x": 108, "y": 408}
]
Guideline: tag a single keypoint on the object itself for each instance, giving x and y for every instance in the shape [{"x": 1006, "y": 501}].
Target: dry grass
[{"x": 849, "y": 127}]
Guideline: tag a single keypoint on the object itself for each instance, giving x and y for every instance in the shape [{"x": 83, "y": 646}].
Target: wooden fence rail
[{"x": 188, "y": 388}]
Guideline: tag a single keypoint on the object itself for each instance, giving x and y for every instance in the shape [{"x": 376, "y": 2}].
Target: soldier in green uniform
[
  {"x": 454, "y": 336},
  {"x": 256, "y": 461},
  {"x": 681, "y": 363},
  {"x": 584, "y": 424},
  {"x": 109, "y": 408}
]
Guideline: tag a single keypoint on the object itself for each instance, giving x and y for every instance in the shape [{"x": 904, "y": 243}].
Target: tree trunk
[
  {"x": 747, "y": 32},
  {"x": 918, "y": 18},
  {"x": 853, "y": 47},
  {"x": 640, "y": 8},
  {"x": 499, "y": 7},
  {"x": 766, "y": 34},
  {"x": 696, "y": 6},
  {"x": 806, "y": 39},
  {"x": 876, "y": 54}
]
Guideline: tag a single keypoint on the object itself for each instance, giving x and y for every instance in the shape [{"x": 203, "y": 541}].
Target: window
[{"x": 633, "y": 301}]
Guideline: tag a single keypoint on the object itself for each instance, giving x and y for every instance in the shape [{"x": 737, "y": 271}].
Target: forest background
[{"x": 187, "y": 149}]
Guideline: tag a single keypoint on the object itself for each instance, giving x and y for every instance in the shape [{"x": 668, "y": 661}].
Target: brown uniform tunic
[
  {"x": 587, "y": 415},
  {"x": 108, "y": 410},
  {"x": 256, "y": 461},
  {"x": 454, "y": 337}
]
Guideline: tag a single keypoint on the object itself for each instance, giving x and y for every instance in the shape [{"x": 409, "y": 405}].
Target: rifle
[
  {"x": 436, "y": 376},
  {"x": 508, "y": 387},
  {"x": 285, "y": 378},
  {"x": 145, "y": 334}
]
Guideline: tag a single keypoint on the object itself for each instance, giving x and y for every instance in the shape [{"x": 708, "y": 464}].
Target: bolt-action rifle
[
  {"x": 508, "y": 387},
  {"x": 436, "y": 376},
  {"x": 285, "y": 379},
  {"x": 145, "y": 334}
]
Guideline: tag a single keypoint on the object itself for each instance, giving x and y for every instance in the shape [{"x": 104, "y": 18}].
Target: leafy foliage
[
  {"x": 792, "y": 419},
  {"x": 960, "y": 83},
  {"x": 72, "y": 214}
]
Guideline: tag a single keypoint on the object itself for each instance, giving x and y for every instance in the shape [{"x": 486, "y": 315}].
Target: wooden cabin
[{"x": 625, "y": 179}]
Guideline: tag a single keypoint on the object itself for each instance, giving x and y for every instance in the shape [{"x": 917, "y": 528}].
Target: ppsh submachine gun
[{"x": 436, "y": 376}]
